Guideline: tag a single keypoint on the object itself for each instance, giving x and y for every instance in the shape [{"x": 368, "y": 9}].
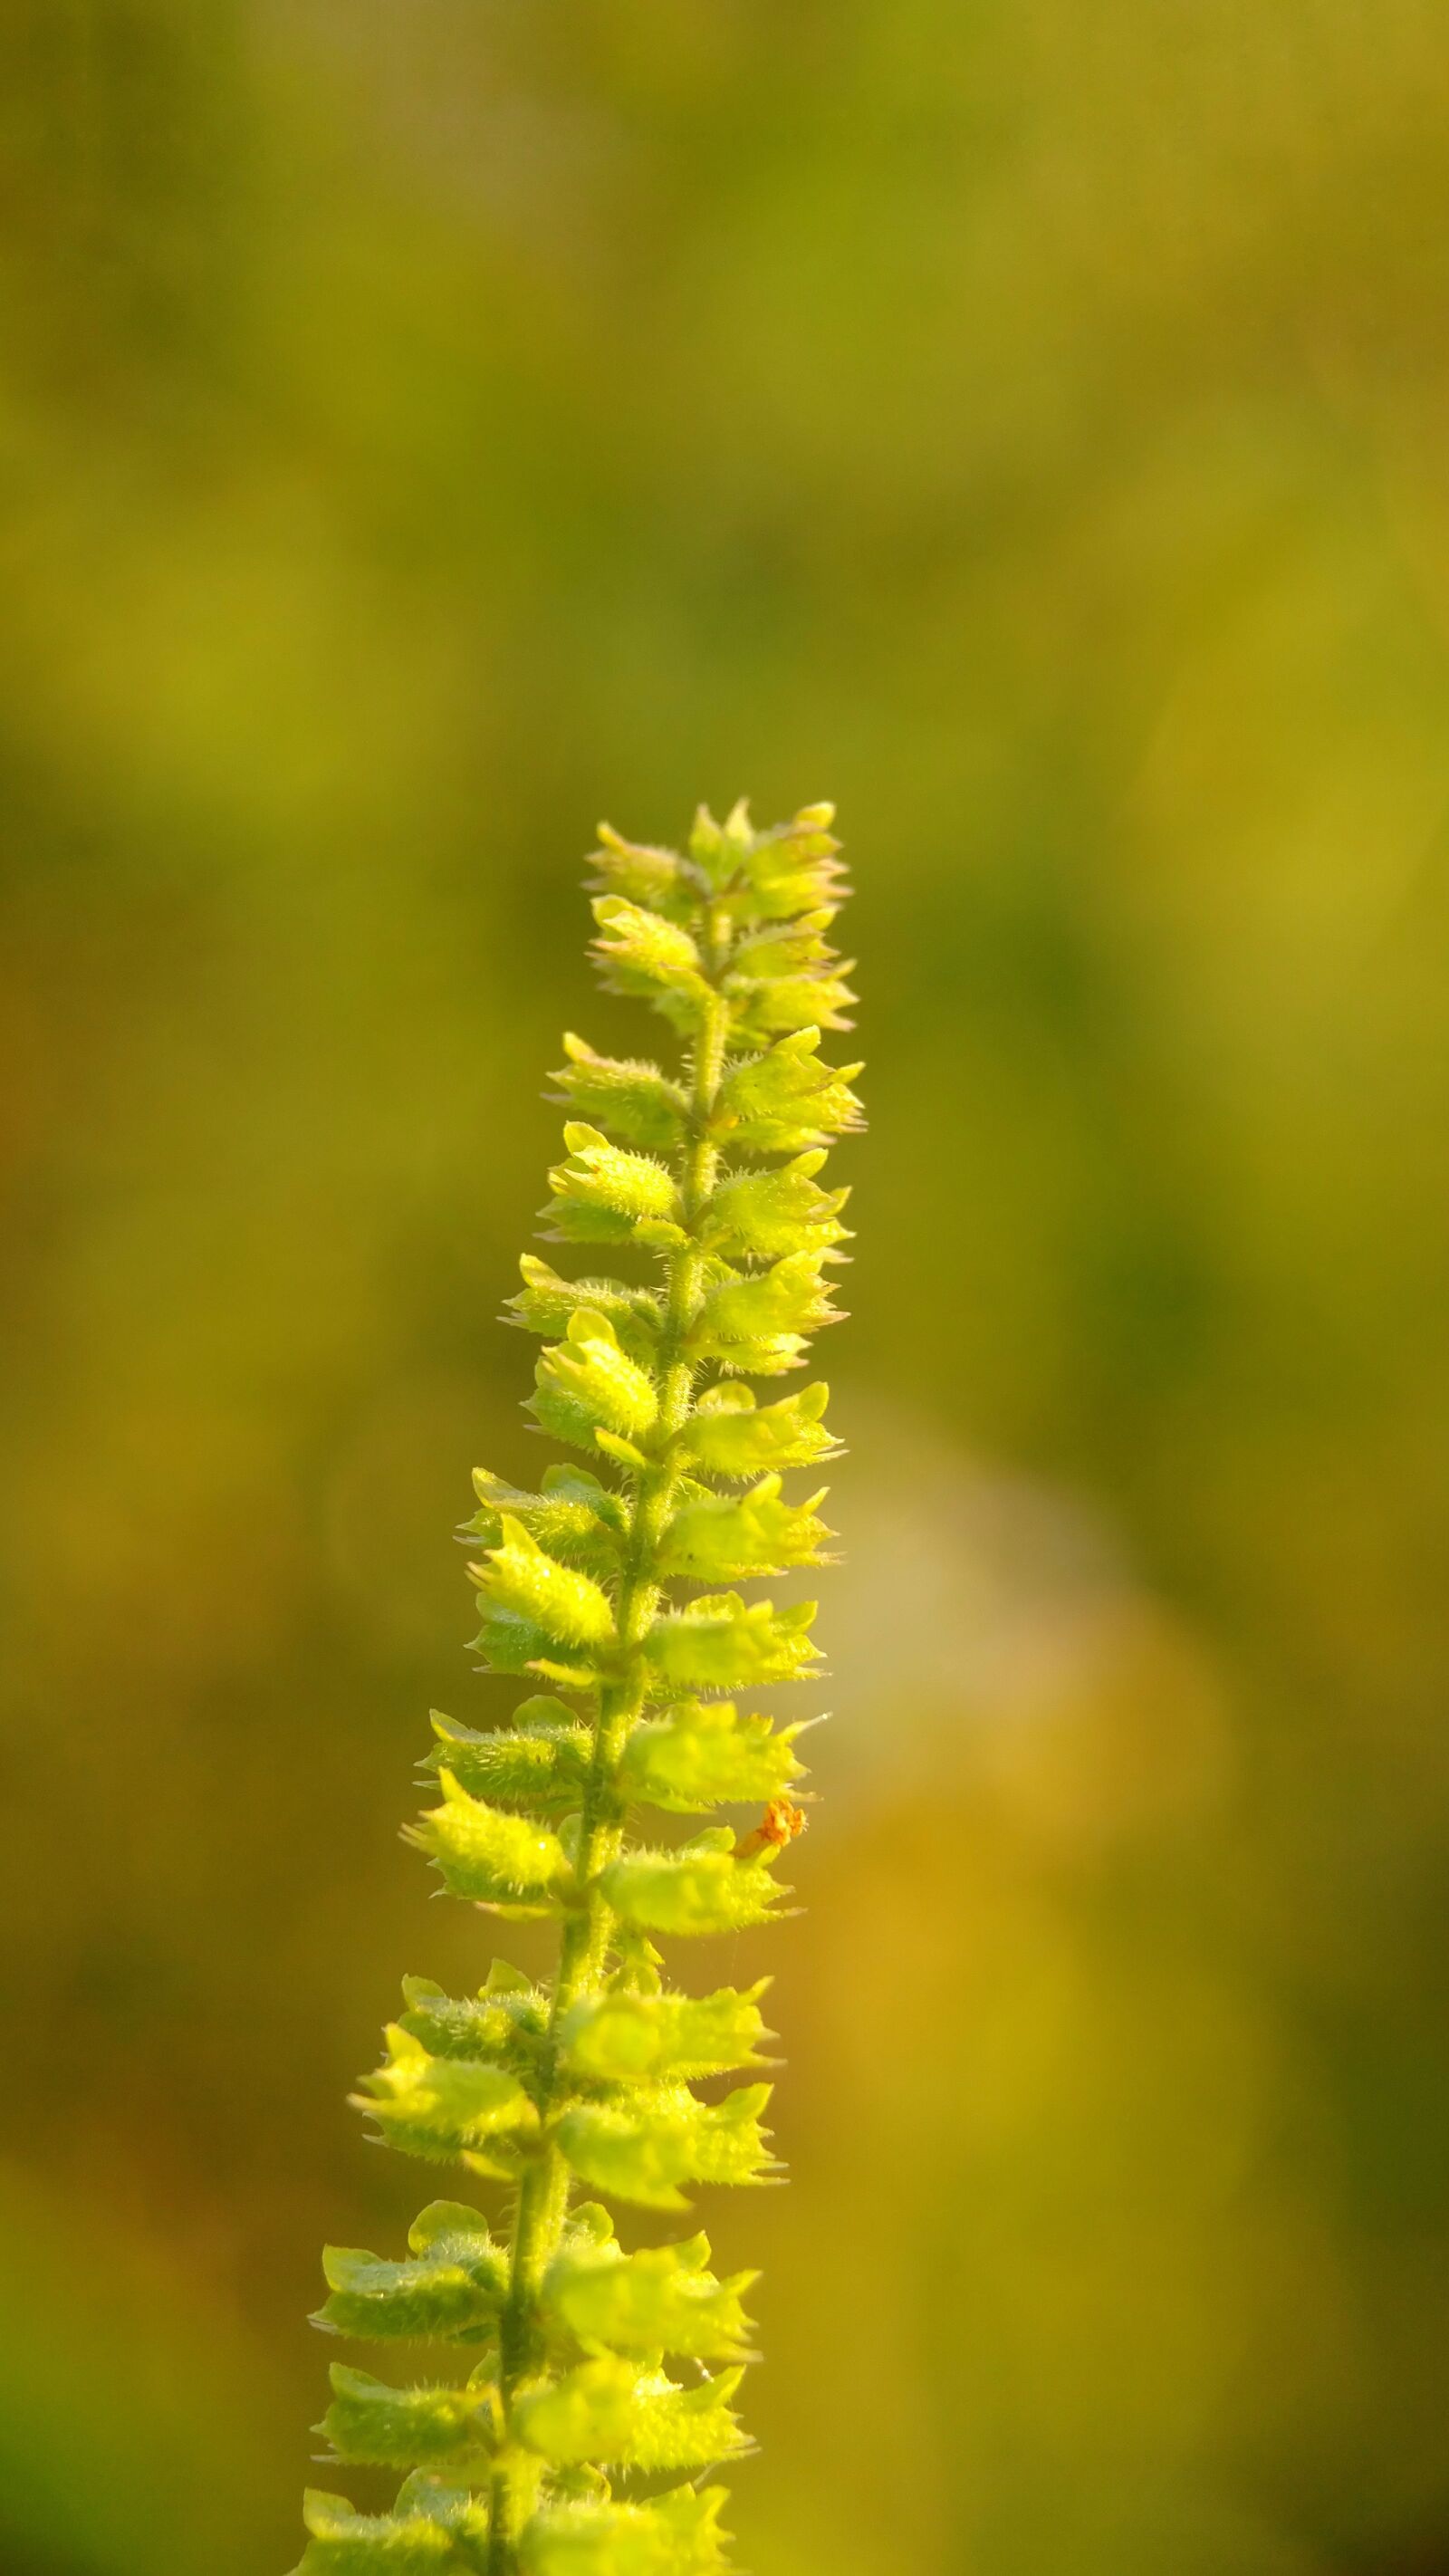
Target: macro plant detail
[{"x": 578, "y": 2377}]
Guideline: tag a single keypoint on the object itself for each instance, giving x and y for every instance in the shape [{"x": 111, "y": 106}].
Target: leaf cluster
[{"x": 568, "y": 2376}]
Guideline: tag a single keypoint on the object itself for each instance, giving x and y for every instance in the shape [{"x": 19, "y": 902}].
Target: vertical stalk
[
  {"x": 542, "y": 2204},
  {"x": 534, "y": 1819}
]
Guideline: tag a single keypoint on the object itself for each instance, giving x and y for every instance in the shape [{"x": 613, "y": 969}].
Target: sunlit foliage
[{"x": 585, "y": 2082}]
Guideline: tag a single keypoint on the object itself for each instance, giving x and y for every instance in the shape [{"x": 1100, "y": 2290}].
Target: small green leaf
[
  {"x": 541, "y": 1760},
  {"x": 452, "y": 2287},
  {"x": 728, "y": 1434},
  {"x": 587, "y": 2415},
  {"x": 793, "y": 869},
  {"x": 643, "y": 954},
  {"x": 763, "y": 1006},
  {"x": 401, "y": 2428},
  {"x": 766, "y": 1214},
  {"x": 722, "y": 1538},
  {"x": 574, "y": 1518},
  {"x": 659, "y": 878},
  {"x": 623, "y": 1452},
  {"x": 488, "y": 1856},
  {"x": 586, "y": 1382},
  {"x": 674, "y": 2535},
  {"x": 699, "y": 1889},
  {"x": 433, "y": 2530},
  {"x": 723, "y": 1642},
  {"x": 643, "y": 2149},
  {"x": 441, "y": 2107},
  {"x": 701, "y": 1754},
  {"x": 633, "y": 2039},
  {"x": 632, "y": 1099},
  {"x": 662, "y": 2299},
  {"x": 759, "y": 1321},
  {"x": 520, "y": 1577},
  {"x": 504, "y": 2026},
  {"x": 601, "y": 1192},
  {"x": 786, "y": 1100},
  {"x": 718, "y": 848},
  {"x": 546, "y": 1304},
  {"x": 785, "y": 977},
  {"x": 611, "y": 2414}
]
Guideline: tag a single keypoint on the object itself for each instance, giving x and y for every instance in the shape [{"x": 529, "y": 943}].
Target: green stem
[{"x": 543, "y": 2195}]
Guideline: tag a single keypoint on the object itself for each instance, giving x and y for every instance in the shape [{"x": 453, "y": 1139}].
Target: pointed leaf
[
  {"x": 786, "y": 1100},
  {"x": 487, "y": 1855},
  {"x": 699, "y": 1889},
  {"x": 634, "y": 2039},
  {"x": 702, "y": 1754},
  {"x": 758, "y": 1321},
  {"x": 453, "y": 2286},
  {"x": 674, "y": 2535},
  {"x": 644, "y": 2148},
  {"x": 723, "y": 1642},
  {"x": 540, "y": 1761},
  {"x": 611, "y": 2414},
  {"x": 602, "y": 1192},
  {"x": 433, "y": 2530},
  {"x": 519, "y": 1576},
  {"x": 400, "y": 2428},
  {"x": 630, "y": 1098},
  {"x": 503, "y": 2026},
  {"x": 586, "y": 1381},
  {"x": 643, "y": 954},
  {"x": 546, "y": 1304},
  {"x": 715, "y": 1537},
  {"x": 786, "y": 977},
  {"x": 662, "y": 2299},
  {"x": 795, "y": 868},
  {"x": 728, "y": 1434},
  {"x": 574, "y": 1518},
  {"x": 658, "y": 878},
  {"x": 765, "y": 1214},
  {"x": 441, "y": 2107}
]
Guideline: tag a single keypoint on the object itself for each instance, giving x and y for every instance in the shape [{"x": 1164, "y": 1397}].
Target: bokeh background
[{"x": 426, "y": 425}]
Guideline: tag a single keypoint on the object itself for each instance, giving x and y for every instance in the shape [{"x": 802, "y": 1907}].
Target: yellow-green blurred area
[{"x": 430, "y": 424}]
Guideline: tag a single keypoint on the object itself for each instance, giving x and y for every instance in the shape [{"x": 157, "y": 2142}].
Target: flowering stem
[{"x": 588, "y": 2080}]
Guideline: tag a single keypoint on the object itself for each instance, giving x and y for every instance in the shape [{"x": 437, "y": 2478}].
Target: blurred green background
[{"x": 426, "y": 425}]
